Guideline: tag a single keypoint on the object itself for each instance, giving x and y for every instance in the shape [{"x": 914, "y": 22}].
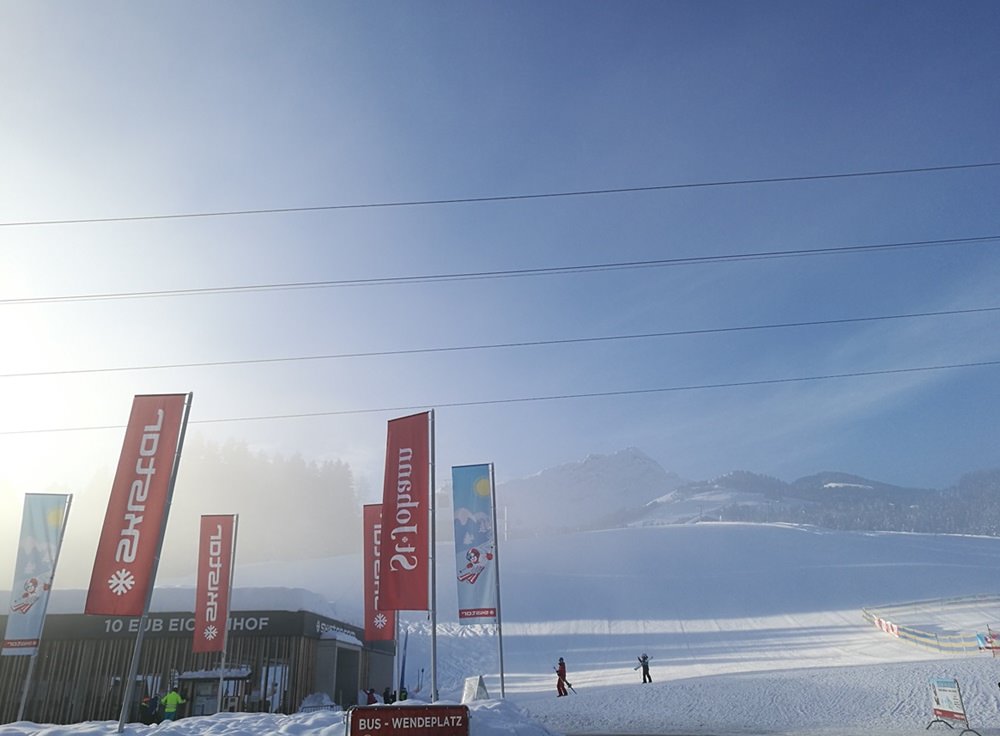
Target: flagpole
[
  {"x": 229, "y": 606},
  {"x": 137, "y": 651},
  {"x": 496, "y": 550},
  {"x": 433, "y": 565},
  {"x": 27, "y": 683},
  {"x": 41, "y": 630}
]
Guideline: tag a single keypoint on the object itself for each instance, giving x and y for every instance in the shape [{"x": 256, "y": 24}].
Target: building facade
[{"x": 274, "y": 660}]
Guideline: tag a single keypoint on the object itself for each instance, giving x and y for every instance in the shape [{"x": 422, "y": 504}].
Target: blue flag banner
[
  {"x": 475, "y": 544},
  {"x": 41, "y": 536}
]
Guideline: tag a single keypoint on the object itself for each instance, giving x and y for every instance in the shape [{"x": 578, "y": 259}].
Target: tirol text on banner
[
  {"x": 405, "y": 550},
  {"x": 137, "y": 510},
  {"x": 215, "y": 568},
  {"x": 379, "y": 625},
  {"x": 475, "y": 544},
  {"x": 42, "y": 526}
]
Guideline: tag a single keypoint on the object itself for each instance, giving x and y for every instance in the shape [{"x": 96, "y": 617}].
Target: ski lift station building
[{"x": 283, "y": 645}]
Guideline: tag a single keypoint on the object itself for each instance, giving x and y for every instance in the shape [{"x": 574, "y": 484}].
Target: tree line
[{"x": 971, "y": 506}]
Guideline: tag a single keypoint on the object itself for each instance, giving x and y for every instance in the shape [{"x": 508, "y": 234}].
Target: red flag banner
[
  {"x": 379, "y": 625},
  {"x": 215, "y": 566},
  {"x": 137, "y": 510},
  {"x": 404, "y": 570}
]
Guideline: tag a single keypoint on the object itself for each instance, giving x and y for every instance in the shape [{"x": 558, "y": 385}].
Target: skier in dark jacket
[
  {"x": 147, "y": 709},
  {"x": 561, "y": 678},
  {"x": 644, "y": 663}
]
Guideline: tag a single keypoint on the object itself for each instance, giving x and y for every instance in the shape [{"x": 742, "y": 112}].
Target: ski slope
[{"x": 752, "y": 629}]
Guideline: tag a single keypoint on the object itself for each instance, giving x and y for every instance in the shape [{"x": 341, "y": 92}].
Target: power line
[
  {"x": 512, "y": 273},
  {"x": 550, "y": 397},
  {"x": 502, "y": 345},
  {"x": 507, "y": 197}
]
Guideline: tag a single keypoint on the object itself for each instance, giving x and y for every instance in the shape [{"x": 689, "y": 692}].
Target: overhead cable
[
  {"x": 506, "y": 197},
  {"x": 550, "y": 397},
  {"x": 501, "y": 345},
  {"x": 511, "y": 273}
]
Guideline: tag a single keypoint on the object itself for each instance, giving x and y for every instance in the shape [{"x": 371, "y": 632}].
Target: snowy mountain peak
[
  {"x": 598, "y": 491},
  {"x": 629, "y": 488}
]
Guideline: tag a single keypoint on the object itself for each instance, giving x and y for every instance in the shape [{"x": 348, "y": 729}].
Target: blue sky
[{"x": 116, "y": 110}]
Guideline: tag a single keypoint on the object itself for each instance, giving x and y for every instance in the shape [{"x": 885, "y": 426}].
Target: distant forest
[{"x": 972, "y": 506}]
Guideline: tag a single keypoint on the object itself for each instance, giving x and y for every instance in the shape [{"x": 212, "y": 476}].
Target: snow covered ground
[{"x": 752, "y": 629}]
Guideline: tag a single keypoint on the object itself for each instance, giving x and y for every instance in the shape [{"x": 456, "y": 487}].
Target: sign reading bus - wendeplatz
[{"x": 409, "y": 720}]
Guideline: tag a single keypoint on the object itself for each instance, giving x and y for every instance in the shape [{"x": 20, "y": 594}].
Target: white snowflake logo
[
  {"x": 210, "y": 632},
  {"x": 380, "y": 621},
  {"x": 121, "y": 582}
]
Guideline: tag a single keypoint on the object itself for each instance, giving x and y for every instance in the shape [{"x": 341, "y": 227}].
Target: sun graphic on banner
[
  {"x": 54, "y": 518},
  {"x": 482, "y": 486}
]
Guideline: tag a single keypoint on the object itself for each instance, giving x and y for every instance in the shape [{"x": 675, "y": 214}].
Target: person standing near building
[
  {"x": 644, "y": 663},
  {"x": 146, "y": 707},
  {"x": 561, "y": 678},
  {"x": 170, "y": 702}
]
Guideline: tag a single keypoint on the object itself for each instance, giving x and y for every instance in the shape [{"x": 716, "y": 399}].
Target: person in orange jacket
[{"x": 561, "y": 678}]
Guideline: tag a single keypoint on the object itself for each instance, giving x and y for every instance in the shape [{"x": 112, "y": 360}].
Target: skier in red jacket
[{"x": 561, "y": 681}]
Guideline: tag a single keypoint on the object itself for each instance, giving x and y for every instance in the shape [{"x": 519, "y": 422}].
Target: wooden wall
[{"x": 83, "y": 680}]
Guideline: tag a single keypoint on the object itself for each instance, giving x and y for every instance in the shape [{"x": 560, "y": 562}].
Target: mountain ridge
[{"x": 630, "y": 488}]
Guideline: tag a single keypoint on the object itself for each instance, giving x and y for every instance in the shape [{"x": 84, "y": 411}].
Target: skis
[
  {"x": 573, "y": 690},
  {"x": 640, "y": 665}
]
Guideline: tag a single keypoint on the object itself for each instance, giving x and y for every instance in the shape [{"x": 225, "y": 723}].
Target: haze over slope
[
  {"x": 599, "y": 491},
  {"x": 731, "y": 614}
]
